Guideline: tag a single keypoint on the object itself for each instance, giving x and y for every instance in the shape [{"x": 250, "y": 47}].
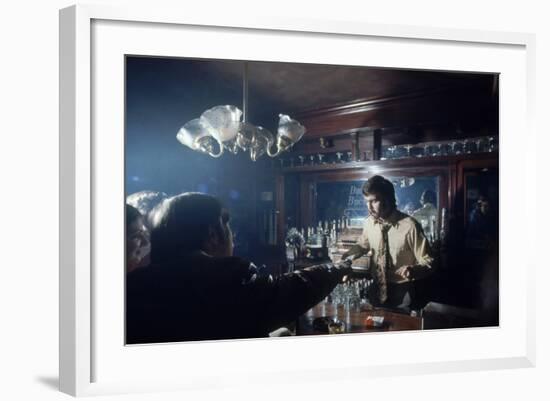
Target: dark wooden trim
[
  {"x": 470, "y": 106},
  {"x": 377, "y": 144},
  {"x": 355, "y": 156},
  {"x": 368, "y": 104},
  {"x": 365, "y": 173},
  {"x": 389, "y": 165}
]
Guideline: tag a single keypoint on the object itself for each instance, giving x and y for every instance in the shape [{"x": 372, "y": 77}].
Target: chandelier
[{"x": 221, "y": 128}]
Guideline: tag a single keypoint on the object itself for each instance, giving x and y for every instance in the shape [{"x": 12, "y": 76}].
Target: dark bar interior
[{"x": 433, "y": 135}]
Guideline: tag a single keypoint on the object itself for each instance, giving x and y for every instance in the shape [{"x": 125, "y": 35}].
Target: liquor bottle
[
  {"x": 324, "y": 240},
  {"x": 333, "y": 236}
]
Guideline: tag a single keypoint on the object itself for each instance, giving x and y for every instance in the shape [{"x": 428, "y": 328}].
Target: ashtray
[{"x": 329, "y": 325}]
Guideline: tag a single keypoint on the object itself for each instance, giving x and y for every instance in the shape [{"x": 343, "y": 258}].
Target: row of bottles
[
  {"x": 325, "y": 239},
  {"x": 326, "y": 232}
]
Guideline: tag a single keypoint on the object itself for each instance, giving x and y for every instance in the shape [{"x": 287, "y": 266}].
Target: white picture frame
[{"x": 91, "y": 40}]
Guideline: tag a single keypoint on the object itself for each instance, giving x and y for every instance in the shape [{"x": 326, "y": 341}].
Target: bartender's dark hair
[
  {"x": 380, "y": 186},
  {"x": 181, "y": 224}
]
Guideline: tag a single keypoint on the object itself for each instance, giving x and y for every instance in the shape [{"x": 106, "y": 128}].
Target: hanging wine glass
[
  {"x": 408, "y": 148},
  {"x": 391, "y": 152},
  {"x": 457, "y": 148}
]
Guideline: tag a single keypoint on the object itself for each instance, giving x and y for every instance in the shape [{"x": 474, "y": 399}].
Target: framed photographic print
[{"x": 264, "y": 194}]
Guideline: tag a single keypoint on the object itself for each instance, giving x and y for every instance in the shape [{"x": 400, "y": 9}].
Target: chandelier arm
[
  {"x": 216, "y": 155},
  {"x": 277, "y": 153},
  {"x": 237, "y": 134}
]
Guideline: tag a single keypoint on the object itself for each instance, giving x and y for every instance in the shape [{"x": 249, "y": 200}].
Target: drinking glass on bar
[{"x": 336, "y": 327}]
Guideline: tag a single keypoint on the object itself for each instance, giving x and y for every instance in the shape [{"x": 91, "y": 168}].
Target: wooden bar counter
[{"x": 355, "y": 319}]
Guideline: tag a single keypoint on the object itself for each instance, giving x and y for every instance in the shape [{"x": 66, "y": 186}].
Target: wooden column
[
  {"x": 355, "y": 152},
  {"x": 377, "y": 144}
]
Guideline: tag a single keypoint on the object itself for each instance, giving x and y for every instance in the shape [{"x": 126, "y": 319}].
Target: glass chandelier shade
[
  {"x": 198, "y": 136},
  {"x": 225, "y": 127}
]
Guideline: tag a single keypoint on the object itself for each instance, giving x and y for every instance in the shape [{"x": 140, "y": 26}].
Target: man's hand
[
  {"x": 407, "y": 272},
  {"x": 356, "y": 251},
  {"x": 344, "y": 268}
]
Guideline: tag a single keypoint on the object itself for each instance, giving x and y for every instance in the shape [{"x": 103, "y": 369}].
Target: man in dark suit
[{"x": 196, "y": 290}]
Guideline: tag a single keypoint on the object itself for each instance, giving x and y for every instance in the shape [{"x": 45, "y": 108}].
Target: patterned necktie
[{"x": 383, "y": 263}]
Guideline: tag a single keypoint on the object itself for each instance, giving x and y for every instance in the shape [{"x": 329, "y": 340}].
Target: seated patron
[
  {"x": 138, "y": 245},
  {"x": 196, "y": 290}
]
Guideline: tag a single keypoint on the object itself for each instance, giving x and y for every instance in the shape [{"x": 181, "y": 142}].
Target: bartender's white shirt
[{"x": 407, "y": 243}]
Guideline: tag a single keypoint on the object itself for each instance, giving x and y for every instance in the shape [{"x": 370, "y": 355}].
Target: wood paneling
[{"x": 470, "y": 106}]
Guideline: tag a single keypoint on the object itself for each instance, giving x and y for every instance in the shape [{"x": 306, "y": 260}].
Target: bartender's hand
[
  {"x": 407, "y": 272},
  {"x": 356, "y": 251}
]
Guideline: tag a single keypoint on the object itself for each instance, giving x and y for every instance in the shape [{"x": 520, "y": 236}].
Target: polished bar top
[{"x": 355, "y": 319}]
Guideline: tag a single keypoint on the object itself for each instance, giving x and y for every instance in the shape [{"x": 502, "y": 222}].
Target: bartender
[{"x": 400, "y": 253}]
